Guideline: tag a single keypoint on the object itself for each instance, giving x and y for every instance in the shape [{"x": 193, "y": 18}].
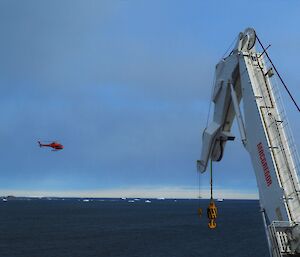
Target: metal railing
[{"x": 279, "y": 237}]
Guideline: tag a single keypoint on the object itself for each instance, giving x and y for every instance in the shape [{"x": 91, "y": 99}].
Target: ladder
[{"x": 280, "y": 141}]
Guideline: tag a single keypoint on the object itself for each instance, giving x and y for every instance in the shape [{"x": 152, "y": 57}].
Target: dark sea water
[{"x": 116, "y": 228}]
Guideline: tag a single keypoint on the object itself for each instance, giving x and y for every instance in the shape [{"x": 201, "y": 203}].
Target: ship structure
[{"x": 246, "y": 88}]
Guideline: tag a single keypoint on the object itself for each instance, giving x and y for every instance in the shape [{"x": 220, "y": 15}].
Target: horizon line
[
  {"x": 124, "y": 198},
  {"x": 171, "y": 192}
]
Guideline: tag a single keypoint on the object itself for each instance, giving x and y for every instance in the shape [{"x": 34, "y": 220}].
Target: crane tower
[{"x": 248, "y": 75}]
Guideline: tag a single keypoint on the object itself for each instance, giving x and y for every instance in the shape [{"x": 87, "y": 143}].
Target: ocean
[{"x": 118, "y": 228}]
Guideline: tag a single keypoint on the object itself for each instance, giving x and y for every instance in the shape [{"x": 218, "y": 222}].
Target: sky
[{"x": 125, "y": 87}]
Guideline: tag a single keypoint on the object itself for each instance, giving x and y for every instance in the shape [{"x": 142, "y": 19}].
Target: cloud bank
[{"x": 136, "y": 192}]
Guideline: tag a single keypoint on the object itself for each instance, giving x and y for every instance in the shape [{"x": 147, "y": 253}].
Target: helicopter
[{"x": 55, "y": 145}]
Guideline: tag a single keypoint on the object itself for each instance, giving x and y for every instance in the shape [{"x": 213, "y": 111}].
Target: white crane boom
[{"x": 245, "y": 74}]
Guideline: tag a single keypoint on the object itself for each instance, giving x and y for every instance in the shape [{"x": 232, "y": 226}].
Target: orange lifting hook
[
  {"x": 212, "y": 214},
  {"x": 200, "y": 212},
  {"x": 212, "y": 211}
]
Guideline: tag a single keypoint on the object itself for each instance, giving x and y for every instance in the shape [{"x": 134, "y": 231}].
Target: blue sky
[{"x": 125, "y": 86}]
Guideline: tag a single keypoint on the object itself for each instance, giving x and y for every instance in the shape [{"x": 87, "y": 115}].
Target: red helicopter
[{"x": 55, "y": 145}]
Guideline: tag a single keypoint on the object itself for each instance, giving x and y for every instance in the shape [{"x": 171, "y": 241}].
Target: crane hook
[{"x": 212, "y": 211}]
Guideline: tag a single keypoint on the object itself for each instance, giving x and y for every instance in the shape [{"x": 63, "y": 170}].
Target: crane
[{"x": 249, "y": 76}]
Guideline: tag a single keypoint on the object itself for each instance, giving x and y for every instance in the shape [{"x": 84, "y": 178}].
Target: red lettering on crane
[{"x": 264, "y": 163}]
